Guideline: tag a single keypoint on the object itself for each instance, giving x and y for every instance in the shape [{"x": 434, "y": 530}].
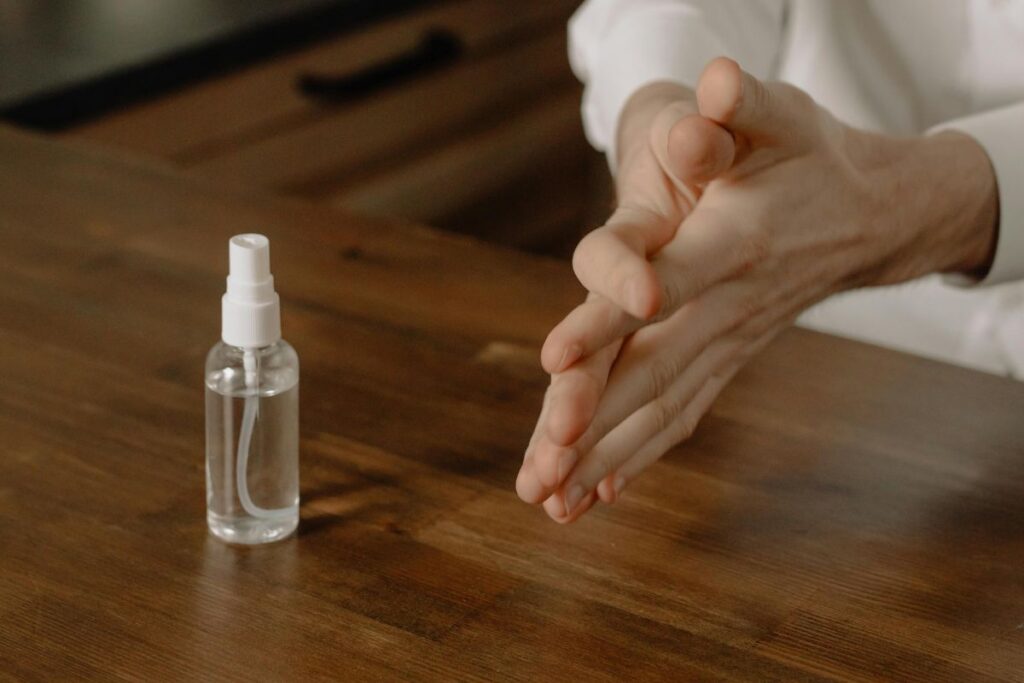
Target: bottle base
[{"x": 252, "y": 530}]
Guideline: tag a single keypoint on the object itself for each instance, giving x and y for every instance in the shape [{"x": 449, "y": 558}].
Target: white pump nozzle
[{"x": 250, "y": 309}]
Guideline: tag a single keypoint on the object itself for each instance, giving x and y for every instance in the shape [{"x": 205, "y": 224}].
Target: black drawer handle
[{"x": 437, "y": 48}]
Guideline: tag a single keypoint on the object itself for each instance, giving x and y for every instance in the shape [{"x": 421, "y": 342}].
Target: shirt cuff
[
  {"x": 641, "y": 47},
  {"x": 1000, "y": 132}
]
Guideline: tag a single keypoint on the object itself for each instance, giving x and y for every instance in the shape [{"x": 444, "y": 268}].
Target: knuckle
[
  {"x": 760, "y": 95},
  {"x": 749, "y": 308},
  {"x": 683, "y": 428},
  {"x": 798, "y": 97},
  {"x": 801, "y": 108},
  {"x": 660, "y": 374},
  {"x": 755, "y": 248},
  {"x": 700, "y": 281},
  {"x": 666, "y": 412},
  {"x": 704, "y": 325},
  {"x": 672, "y": 296},
  {"x": 599, "y": 426},
  {"x": 751, "y": 331},
  {"x": 749, "y": 350},
  {"x": 708, "y": 333},
  {"x": 765, "y": 315},
  {"x": 604, "y": 464}
]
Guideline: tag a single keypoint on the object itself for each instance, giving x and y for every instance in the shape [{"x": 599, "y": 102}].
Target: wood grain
[
  {"x": 498, "y": 126},
  {"x": 224, "y": 113},
  {"x": 345, "y": 143},
  {"x": 844, "y": 512},
  {"x": 493, "y": 168}
]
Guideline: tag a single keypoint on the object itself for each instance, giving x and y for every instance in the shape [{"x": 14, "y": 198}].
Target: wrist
[
  {"x": 938, "y": 202},
  {"x": 976, "y": 223}
]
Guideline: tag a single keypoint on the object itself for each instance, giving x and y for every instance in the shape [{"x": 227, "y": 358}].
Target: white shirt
[{"x": 895, "y": 66}]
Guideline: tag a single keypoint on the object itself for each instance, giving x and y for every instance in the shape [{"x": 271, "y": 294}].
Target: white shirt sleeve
[
  {"x": 1001, "y": 132},
  {"x": 618, "y": 46}
]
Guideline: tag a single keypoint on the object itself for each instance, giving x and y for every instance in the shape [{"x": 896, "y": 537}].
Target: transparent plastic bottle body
[{"x": 252, "y": 442}]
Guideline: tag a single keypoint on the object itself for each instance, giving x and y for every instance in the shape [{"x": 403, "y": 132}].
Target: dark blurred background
[{"x": 462, "y": 114}]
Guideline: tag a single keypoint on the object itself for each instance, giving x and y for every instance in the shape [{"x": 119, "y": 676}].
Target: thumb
[
  {"x": 768, "y": 113},
  {"x": 690, "y": 148},
  {"x": 614, "y": 260},
  {"x": 698, "y": 150}
]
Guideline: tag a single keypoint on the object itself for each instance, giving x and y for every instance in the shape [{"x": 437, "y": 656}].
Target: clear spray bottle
[{"x": 252, "y": 407}]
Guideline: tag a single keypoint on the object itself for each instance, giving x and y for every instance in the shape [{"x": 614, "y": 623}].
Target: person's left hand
[{"x": 793, "y": 207}]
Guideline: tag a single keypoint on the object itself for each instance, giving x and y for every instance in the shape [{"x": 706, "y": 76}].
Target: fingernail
[
  {"x": 527, "y": 488},
  {"x": 619, "y": 485},
  {"x": 571, "y": 354},
  {"x": 565, "y": 464},
  {"x": 572, "y": 498}
]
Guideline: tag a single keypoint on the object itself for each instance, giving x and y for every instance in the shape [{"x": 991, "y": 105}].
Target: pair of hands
[{"x": 740, "y": 205}]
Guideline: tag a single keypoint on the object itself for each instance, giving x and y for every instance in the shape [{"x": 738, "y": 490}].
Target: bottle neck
[{"x": 248, "y": 324}]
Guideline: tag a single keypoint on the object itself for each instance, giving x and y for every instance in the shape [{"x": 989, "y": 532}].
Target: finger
[
  {"x": 655, "y": 355},
  {"x": 664, "y": 412},
  {"x": 545, "y": 407},
  {"x": 613, "y": 260},
  {"x": 528, "y": 487},
  {"x": 588, "y": 328},
  {"x": 697, "y": 150},
  {"x": 569, "y": 405},
  {"x": 575, "y": 394},
  {"x": 741, "y": 103},
  {"x": 708, "y": 250},
  {"x": 612, "y": 486},
  {"x": 555, "y": 507},
  {"x": 658, "y": 140},
  {"x": 615, "y": 484},
  {"x": 549, "y": 465}
]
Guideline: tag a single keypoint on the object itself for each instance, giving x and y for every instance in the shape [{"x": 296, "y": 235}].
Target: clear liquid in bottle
[{"x": 252, "y": 443}]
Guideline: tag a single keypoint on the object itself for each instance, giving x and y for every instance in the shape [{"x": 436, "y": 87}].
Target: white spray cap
[{"x": 251, "y": 309}]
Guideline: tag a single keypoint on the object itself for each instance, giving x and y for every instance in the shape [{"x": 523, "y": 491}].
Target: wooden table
[{"x": 844, "y": 511}]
